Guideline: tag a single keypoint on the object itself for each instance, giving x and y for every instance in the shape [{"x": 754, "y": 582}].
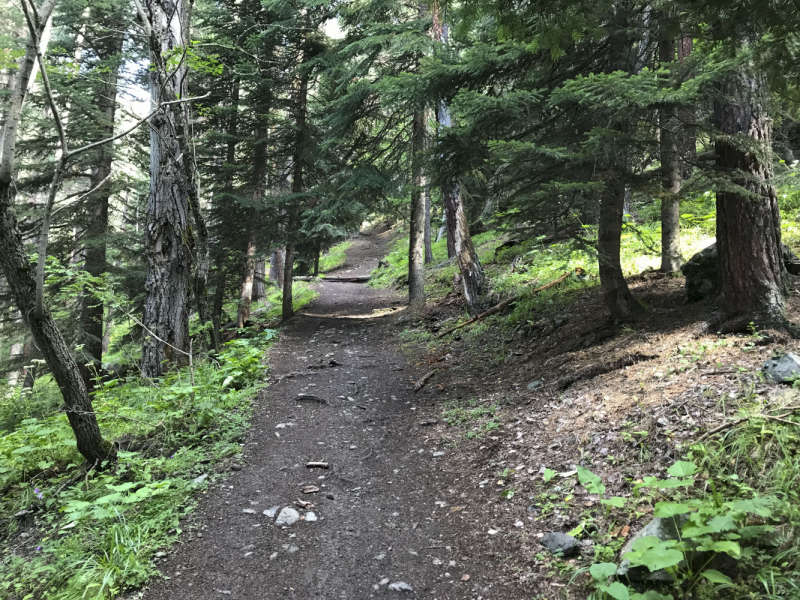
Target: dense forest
[{"x": 558, "y": 191}]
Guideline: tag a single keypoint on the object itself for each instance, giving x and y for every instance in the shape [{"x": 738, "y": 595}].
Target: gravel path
[{"x": 387, "y": 516}]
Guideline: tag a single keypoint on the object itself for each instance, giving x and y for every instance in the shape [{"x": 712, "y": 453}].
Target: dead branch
[{"x": 423, "y": 380}]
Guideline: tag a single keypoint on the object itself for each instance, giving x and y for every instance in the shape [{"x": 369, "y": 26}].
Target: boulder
[
  {"x": 701, "y": 271},
  {"x": 561, "y": 543},
  {"x": 784, "y": 369}
]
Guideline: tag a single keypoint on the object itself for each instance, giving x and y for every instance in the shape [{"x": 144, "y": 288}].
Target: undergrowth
[
  {"x": 334, "y": 258},
  {"x": 69, "y": 535}
]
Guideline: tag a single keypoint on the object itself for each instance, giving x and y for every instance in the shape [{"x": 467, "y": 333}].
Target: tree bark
[
  {"x": 219, "y": 300},
  {"x": 617, "y": 296},
  {"x": 751, "y": 272},
  {"x": 92, "y": 309},
  {"x": 317, "y": 252},
  {"x": 21, "y": 280},
  {"x": 259, "y": 280},
  {"x": 168, "y": 238},
  {"x": 428, "y": 235},
  {"x": 416, "y": 242},
  {"x": 671, "y": 175},
  {"x": 287, "y": 310},
  {"x": 469, "y": 264},
  {"x": 276, "y": 261}
]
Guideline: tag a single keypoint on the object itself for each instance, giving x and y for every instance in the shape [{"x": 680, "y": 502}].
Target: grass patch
[
  {"x": 334, "y": 258},
  {"x": 473, "y": 417},
  {"x": 98, "y": 537}
]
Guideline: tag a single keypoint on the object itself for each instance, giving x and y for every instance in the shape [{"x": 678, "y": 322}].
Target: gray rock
[
  {"x": 287, "y": 516},
  {"x": 310, "y": 517},
  {"x": 701, "y": 271},
  {"x": 438, "y": 454},
  {"x": 200, "y": 479},
  {"x": 248, "y": 511},
  {"x": 400, "y": 586},
  {"x": 784, "y": 369},
  {"x": 535, "y": 384},
  {"x": 271, "y": 512},
  {"x": 664, "y": 528},
  {"x": 561, "y": 543}
]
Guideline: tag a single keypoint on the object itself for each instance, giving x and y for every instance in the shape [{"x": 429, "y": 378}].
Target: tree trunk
[
  {"x": 276, "y": 261},
  {"x": 469, "y": 265},
  {"x": 259, "y": 280},
  {"x": 287, "y": 310},
  {"x": 21, "y": 280},
  {"x": 293, "y": 213},
  {"x": 92, "y": 309},
  {"x": 168, "y": 237},
  {"x": 317, "y": 252},
  {"x": 428, "y": 240},
  {"x": 416, "y": 242},
  {"x": 618, "y": 297},
  {"x": 219, "y": 300},
  {"x": 751, "y": 272},
  {"x": 671, "y": 176}
]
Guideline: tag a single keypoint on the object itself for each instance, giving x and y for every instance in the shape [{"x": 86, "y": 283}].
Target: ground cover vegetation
[{"x": 169, "y": 169}]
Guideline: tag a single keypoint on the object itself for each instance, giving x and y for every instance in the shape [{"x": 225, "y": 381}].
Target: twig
[
  {"x": 423, "y": 380},
  {"x": 760, "y": 415},
  {"x": 505, "y": 303}
]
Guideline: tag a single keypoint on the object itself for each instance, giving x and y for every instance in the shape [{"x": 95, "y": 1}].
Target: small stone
[
  {"x": 273, "y": 556},
  {"x": 248, "y": 547},
  {"x": 784, "y": 369},
  {"x": 438, "y": 454},
  {"x": 287, "y": 516},
  {"x": 380, "y": 556},
  {"x": 330, "y": 496},
  {"x": 248, "y": 511},
  {"x": 236, "y": 467},
  {"x": 384, "y": 581},
  {"x": 519, "y": 524},
  {"x": 535, "y": 384},
  {"x": 293, "y": 549},
  {"x": 662, "y": 422},
  {"x": 310, "y": 517},
  {"x": 271, "y": 512},
  {"x": 561, "y": 543},
  {"x": 400, "y": 586},
  {"x": 160, "y": 554},
  {"x": 200, "y": 479}
]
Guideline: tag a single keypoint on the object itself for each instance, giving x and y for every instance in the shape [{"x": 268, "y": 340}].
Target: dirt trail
[{"x": 387, "y": 511}]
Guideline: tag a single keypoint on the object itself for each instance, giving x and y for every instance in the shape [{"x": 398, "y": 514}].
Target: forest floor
[
  {"x": 449, "y": 489},
  {"x": 391, "y": 505}
]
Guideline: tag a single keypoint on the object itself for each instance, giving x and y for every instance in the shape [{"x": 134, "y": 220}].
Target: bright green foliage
[{"x": 100, "y": 532}]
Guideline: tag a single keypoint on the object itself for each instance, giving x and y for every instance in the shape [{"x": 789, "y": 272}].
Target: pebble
[
  {"x": 271, "y": 512},
  {"x": 310, "y": 517},
  {"x": 287, "y": 516},
  {"x": 437, "y": 454},
  {"x": 248, "y": 511},
  {"x": 400, "y": 586},
  {"x": 200, "y": 479}
]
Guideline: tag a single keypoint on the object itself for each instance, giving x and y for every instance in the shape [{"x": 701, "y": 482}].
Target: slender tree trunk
[
  {"x": 472, "y": 275},
  {"x": 671, "y": 176},
  {"x": 107, "y": 328},
  {"x": 257, "y": 185},
  {"x": 21, "y": 280},
  {"x": 618, "y": 297},
  {"x": 317, "y": 252},
  {"x": 416, "y": 242},
  {"x": 428, "y": 236},
  {"x": 751, "y": 272},
  {"x": 276, "y": 261},
  {"x": 92, "y": 309},
  {"x": 219, "y": 300},
  {"x": 287, "y": 310},
  {"x": 259, "y": 280},
  {"x": 168, "y": 250},
  {"x": 293, "y": 217}
]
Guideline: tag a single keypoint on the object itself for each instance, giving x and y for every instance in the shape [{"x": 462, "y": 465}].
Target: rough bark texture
[
  {"x": 259, "y": 280},
  {"x": 428, "y": 236},
  {"x": 751, "y": 272},
  {"x": 21, "y": 281},
  {"x": 92, "y": 308},
  {"x": 671, "y": 175},
  {"x": 287, "y": 310},
  {"x": 416, "y": 242},
  {"x": 458, "y": 235},
  {"x": 168, "y": 238},
  {"x": 276, "y": 261},
  {"x": 219, "y": 300},
  {"x": 617, "y": 296}
]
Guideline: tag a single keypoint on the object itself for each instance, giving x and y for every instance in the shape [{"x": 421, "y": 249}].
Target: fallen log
[
  {"x": 357, "y": 279},
  {"x": 497, "y": 308},
  {"x": 423, "y": 380}
]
